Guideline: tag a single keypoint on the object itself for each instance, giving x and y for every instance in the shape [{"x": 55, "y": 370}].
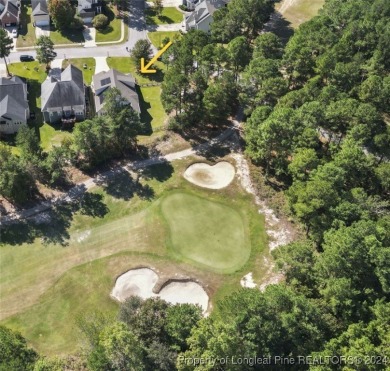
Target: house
[
  {"x": 202, "y": 16},
  {"x": 9, "y": 13},
  {"x": 103, "y": 81},
  {"x": 14, "y": 110},
  {"x": 190, "y": 4},
  {"x": 87, "y": 9},
  {"x": 63, "y": 97},
  {"x": 40, "y": 13}
]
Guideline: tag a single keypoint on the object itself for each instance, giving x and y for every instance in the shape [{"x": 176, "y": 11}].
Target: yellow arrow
[{"x": 145, "y": 69}]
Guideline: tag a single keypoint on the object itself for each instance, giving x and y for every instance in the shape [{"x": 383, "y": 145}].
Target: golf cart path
[{"x": 80, "y": 188}]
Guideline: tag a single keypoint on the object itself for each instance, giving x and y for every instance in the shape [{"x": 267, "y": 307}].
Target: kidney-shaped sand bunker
[
  {"x": 215, "y": 176},
  {"x": 140, "y": 282}
]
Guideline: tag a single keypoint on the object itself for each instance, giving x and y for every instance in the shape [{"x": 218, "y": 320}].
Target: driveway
[
  {"x": 89, "y": 34},
  {"x": 101, "y": 64},
  {"x": 42, "y": 31}
]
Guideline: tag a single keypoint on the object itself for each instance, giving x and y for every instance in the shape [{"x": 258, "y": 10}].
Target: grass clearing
[
  {"x": 208, "y": 233},
  {"x": 168, "y": 15},
  {"x": 156, "y": 38},
  {"x": 43, "y": 284},
  {"x": 79, "y": 63},
  {"x": 26, "y": 34},
  {"x": 299, "y": 11}
]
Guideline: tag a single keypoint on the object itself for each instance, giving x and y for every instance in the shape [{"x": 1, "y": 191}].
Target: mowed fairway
[{"x": 206, "y": 232}]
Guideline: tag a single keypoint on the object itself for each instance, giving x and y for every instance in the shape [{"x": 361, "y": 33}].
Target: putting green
[{"x": 206, "y": 232}]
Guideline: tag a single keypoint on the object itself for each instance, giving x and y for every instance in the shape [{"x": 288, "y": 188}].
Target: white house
[
  {"x": 202, "y": 16},
  {"x": 14, "y": 110},
  {"x": 87, "y": 9},
  {"x": 63, "y": 98}
]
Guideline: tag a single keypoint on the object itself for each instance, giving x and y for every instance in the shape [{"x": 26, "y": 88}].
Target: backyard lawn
[
  {"x": 79, "y": 63},
  {"x": 152, "y": 111},
  {"x": 168, "y": 15},
  {"x": 156, "y": 38},
  {"x": 27, "y": 31}
]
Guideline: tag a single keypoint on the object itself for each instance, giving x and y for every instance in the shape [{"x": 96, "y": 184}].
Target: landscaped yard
[
  {"x": 66, "y": 36},
  {"x": 27, "y": 31},
  {"x": 79, "y": 63},
  {"x": 168, "y": 15},
  {"x": 297, "y": 12},
  {"x": 42, "y": 284},
  {"x": 113, "y": 31},
  {"x": 156, "y": 38}
]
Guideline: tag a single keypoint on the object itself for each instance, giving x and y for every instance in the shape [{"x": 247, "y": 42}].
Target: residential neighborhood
[{"x": 192, "y": 185}]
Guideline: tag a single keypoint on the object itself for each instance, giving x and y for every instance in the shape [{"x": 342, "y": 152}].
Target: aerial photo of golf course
[{"x": 169, "y": 222}]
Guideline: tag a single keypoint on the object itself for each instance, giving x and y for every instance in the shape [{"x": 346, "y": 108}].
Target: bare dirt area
[
  {"x": 215, "y": 176},
  {"x": 142, "y": 282}
]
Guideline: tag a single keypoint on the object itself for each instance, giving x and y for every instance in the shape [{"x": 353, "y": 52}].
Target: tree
[
  {"x": 173, "y": 91},
  {"x": 158, "y": 7},
  {"x": 61, "y": 12},
  {"x": 142, "y": 49},
  {"x": 14, "y": 353},
  {"x": 268, "y": 46},
  {"x": 6, "y": 45},
  {"x": 304, "y": 160},
  {"x": 216, "y": 103},
  {"x": 239, "y": 54},
  {"x": 45, "y": 50},
  {"x": 100, "y": 21}
]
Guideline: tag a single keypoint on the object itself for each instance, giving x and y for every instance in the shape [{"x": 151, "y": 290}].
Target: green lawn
[
  {"x": 156, "y": 38},
  {"x": 66, "y": 36},
  {"x": 79, "y": 63},
  {"x": 152, "y": 111},
  {"x": 300, "y": 11},
  {"x": 205, "y": 232},
  {"x": 47, "y": 286},
  {"x": 113, "y": 31},
  {"x": 169, "y": 15},
  {"x": 51, "y": 136},
  {"x": 27, "y": 31}
]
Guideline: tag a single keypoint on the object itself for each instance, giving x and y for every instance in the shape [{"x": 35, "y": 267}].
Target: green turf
[
  {"x": 51, "y": 136},
  {"x": 66, "y": 36},
  {"x": 152, "y": 111},
  {"x": 206, "y": 232},
  {"x": 26, "y": 36},
  {"x": 156, "y": 38},
  {"x": 79, "y": 63},
  {"x": 46, "y": 286},
  {"x": 113, "y": 31},
  {"x": 168, "y": 15}
]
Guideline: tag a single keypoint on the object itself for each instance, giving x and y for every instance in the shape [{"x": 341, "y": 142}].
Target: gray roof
[
  {"x": 9, "y": 6},
  {"x": 39, "y": 7},
  {"x": 13, "y": 101},
  {"x": 66, "y": 91},
  {"x": 114, "y": 79},
  {"x": 204, "y": 9}
]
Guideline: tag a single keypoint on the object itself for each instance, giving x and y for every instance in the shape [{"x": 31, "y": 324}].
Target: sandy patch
[
  {"x": 140, "y": 282},
  {"x": 189, "y": 292},
  {"x": 247, "y": 281},
  {"x": 217, "y": 176},
  {"x": 136, "y": 282}
]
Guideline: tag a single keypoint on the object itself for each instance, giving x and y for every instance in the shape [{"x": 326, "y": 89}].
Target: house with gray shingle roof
[
  {"x": 63, "y": 97},
  {"x": 87, "y": 9},
  {"x": 40, "y": 13},
  {"x": 103, "y": 81},
  {"x": 202, "y": 16},
  {"x": 9, "y": 13},
  {"x": 14, "y": 110}
]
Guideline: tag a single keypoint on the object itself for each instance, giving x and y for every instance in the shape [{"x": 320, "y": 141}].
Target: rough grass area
[
  {"x": 168, "y": 15},
  {"x": 26, "y": 34},
  {"x": 205, "y": 232},
  {"x": 79, "y": 63},
  {"x": 299, "y": 11},
  {"x": 156, "y": 38},
  {"x": 47, "y": 286}
]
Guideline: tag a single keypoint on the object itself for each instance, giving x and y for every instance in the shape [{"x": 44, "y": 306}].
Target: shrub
[
  {"x": 76, "y": 24},
  {"x": 100, "y": 22}
]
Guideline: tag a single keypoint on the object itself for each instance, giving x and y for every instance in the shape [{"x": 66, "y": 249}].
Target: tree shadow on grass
[
  {"x": 123, "y": 185},
  {"x": 145, "y": 116},
  {"x": 280, "y": 27},
  {"x": 52, "y": 226},
  {"x": 161, "y": 172}
]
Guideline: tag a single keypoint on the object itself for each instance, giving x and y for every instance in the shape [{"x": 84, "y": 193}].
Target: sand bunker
[
  {"x": 217, "y": 176},
  {"x": 140, "y": 282}
]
